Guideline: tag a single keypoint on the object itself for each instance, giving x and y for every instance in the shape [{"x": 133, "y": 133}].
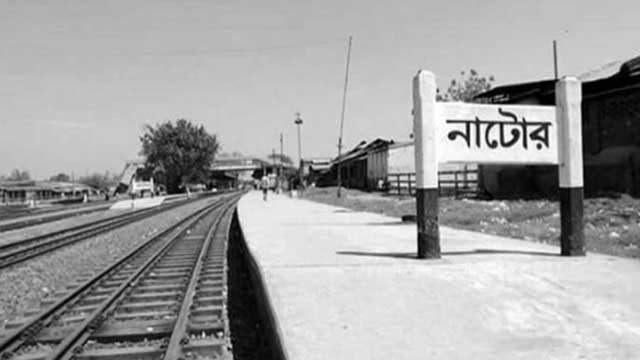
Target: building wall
[
  {"x": 376, "y": 168},
  {"x": 611, "y": 121},
  {"x": 401, "y": 160}
]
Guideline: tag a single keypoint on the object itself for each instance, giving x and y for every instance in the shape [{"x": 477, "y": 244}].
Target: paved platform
[
  {"x": 346, "y": 285},
  {"x": 141, "y": 203}
]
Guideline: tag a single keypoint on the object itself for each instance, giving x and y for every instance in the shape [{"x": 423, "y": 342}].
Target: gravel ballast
[{"x": 26, "y": 285}]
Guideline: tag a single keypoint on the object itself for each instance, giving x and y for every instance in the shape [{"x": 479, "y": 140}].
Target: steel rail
[
  {"x": 19, "y": 337},
  {"x": 179, "y": 336},
  {"x": 82, "y": 331},
  {"x": 72, "y": 343}
]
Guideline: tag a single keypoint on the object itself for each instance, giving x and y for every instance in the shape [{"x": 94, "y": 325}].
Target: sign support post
[
  {"x": 424, "y": 130},
  {"x": 570, "y": 171}
]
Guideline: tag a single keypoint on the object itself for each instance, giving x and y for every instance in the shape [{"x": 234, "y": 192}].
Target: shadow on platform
[
  {"x": 412, "y": 255},
  {"x": 351, "y": 223}
]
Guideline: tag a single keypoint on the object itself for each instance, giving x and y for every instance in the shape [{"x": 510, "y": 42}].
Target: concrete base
[{"x": 347, "y": 285}]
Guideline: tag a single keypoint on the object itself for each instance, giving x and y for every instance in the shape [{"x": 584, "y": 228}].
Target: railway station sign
[
  {"x": 498, "y": 134},
  {"x": 479, "y": 133}
]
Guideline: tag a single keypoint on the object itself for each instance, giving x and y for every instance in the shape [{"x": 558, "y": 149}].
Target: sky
[{"x": 80, "y": 79}]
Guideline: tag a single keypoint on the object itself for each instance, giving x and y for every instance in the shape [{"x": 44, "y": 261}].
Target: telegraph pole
[
  {"x": 298, "y": 122},
  {"x": 344, "y": 103},
  {"x": 281, "y": 176},
  {"x": 273, "y": 159},
  {"x": 555, "y": 60}
]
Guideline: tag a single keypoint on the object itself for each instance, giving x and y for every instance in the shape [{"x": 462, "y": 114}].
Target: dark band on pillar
[
  {"x": 571, "y": 222},
  {"x": 427, "y": 220}
]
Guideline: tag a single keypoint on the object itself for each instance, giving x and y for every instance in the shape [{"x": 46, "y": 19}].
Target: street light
[{"x": 298, "y": 122}]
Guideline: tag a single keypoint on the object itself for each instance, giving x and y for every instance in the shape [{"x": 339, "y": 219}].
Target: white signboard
[{"x": 479, "y": 133}]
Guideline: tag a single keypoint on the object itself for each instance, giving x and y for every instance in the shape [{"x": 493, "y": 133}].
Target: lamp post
[{"x": 298, "y": 122}]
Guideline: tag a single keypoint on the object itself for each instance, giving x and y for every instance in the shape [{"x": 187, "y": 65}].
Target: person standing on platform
[{"x": 264, "y": 185}]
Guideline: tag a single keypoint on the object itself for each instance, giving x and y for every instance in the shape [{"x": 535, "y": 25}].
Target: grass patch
[{"x": 612, "y": 225}]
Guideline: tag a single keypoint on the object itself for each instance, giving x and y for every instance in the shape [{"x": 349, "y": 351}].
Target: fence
[{"x": 450, "y": 182}]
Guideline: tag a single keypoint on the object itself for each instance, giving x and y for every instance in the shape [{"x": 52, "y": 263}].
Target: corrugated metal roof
[{"x": 609, "y": 77}]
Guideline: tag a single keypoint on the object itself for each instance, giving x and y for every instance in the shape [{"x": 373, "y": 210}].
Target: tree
[
  {"x": 17, "y": 175},
  {"x": 183, "y": 150},
  {"x": 99, "y": 181},
  {"x": 62, "y": 177},
  {"x": 285, "y": 159},
  {"x": 465, "y": 89}
]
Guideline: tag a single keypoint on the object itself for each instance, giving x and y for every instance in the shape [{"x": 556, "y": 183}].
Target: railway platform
[{"x": 342, "y": 284}]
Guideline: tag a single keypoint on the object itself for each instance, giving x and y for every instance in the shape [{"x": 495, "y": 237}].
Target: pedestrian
[{"x": 264, "y": 184}]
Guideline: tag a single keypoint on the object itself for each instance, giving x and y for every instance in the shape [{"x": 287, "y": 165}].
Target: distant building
[
  {"x": 390, "y": 166},
  {"x": 315, "y": 168},
  {"x": 610, "y": 134},
  {"x": 233, "y": 171},
  {"x": 136, "y": 179},
  {"x": 31, "y": 191}
]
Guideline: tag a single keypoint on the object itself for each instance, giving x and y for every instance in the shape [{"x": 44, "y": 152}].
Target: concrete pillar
[
  {"x": 424, "y": 130},
  {"x": 570, "y": 168}
]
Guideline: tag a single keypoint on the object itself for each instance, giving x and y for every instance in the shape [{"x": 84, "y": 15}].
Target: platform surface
[
  {"x": 140, "y": 203},
  {"x": 347, "y": 285}
]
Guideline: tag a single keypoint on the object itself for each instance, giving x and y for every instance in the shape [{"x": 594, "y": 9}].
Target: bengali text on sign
[{"x": 480, "y": 133}]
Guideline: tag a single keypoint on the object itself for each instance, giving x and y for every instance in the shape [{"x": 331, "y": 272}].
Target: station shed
[
  {"x": 610, "y": 134},
  {"x": 390, "y": 166},
  {"x": 25, "y": 191}
]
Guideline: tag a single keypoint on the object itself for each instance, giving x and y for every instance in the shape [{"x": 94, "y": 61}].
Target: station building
[
  {"x": 237, "y": 171},
  {"x": 390, "y": 166}
]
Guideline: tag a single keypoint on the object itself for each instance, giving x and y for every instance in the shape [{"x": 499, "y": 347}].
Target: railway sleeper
[
  {"x": 144, "y": 289},
  {"x": 209, "y": 291},
  {"x": 110, "y": 332},
  {"x": 175, "y": 266},
  {"x": 92, "y": 299},
  {"x": 212, "y": 277},
  {"x": 139, "y": 307},
  {"x": 160, "y": 282},
  {"x": 167, "y": 276},
  {"x": 147, "y": 297},
  {"x": 211, "y": 281},
  {"x": 125, "y": 353},
  {"x": 148, "y": 315},
  {"x": 212, "y": 310},
  {"x": 209, "y": 327},
  {"x": 208, "y": 301},
  {"x": 207, "y": 348}
]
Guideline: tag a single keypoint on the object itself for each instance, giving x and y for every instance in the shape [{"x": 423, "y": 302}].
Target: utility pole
[
  {"x": 298, "y": 122},
  {"x": 274, "y": 169},
  {"x": 344, "y": 103},
  {"x": 273, "y": 160},
  {"x": 555, "y": 60},
  {"x": 281, "y": 176}
]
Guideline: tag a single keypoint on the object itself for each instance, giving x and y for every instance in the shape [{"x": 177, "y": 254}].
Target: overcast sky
[{"x": 78, "y": 79}]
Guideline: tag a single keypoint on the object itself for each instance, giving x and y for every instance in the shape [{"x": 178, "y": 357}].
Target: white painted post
[
  {"x": 570, "y": 167},
  {"x": 426, "y": 158}
]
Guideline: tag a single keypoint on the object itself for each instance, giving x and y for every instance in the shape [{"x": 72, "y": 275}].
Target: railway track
[
  {"x": 165, "y": 299},
  {"x": 16, "y": 252},
  {"x": 44, "y": 217}
]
